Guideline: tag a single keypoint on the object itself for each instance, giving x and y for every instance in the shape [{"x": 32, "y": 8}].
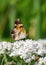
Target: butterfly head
[{"x": 18, "y": 21}]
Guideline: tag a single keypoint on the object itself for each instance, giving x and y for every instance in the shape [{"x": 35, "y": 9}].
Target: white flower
[
  {"x": 40, "y": 52},
  {"x": 14, "y": 53},
  {"x": 33, "y": 57},
  {"x": 2, "y": 51},
  {"x": 1, "y": 46},
  {"x": 25, "y": 49},
  {"x": 4, "y": 44},
  {"x": 9, "y": 46},
  {"x": 42, "y": 61},
  {"x": 28, "y": 60}
]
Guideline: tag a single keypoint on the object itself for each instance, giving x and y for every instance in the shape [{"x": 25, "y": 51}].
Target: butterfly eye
[{"x": 18, "y": 21}]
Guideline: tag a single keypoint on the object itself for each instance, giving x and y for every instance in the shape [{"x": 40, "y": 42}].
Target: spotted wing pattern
[{"x": 18, "y": 31}]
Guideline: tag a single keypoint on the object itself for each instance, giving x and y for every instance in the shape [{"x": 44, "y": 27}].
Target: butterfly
[{"x": 18, "y": 31}]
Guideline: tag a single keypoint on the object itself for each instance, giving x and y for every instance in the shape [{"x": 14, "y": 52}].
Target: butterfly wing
[{"x": 18, "y": 31}]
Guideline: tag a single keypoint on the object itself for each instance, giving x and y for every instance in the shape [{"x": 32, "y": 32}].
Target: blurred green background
[{"x": 32, "y": 14}]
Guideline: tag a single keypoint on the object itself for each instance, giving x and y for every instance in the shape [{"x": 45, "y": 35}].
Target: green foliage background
[{"x": 31, "y": 12}]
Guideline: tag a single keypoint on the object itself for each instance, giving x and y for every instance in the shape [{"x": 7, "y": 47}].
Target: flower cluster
[
  {"x": 41, "y": 61},
  {"x": 28, "y": 50}
]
